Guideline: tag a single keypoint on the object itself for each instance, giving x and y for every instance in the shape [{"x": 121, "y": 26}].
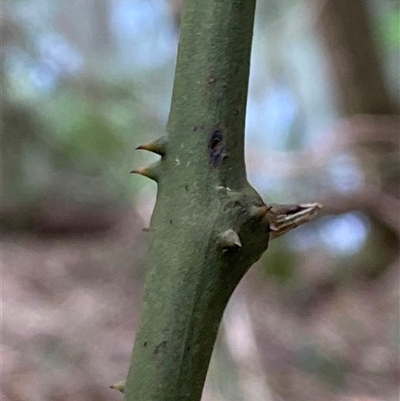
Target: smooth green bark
[{"x": 203, "y": 200}]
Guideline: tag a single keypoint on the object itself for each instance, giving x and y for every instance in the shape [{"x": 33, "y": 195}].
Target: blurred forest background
[{"x": 86, "y": 81}]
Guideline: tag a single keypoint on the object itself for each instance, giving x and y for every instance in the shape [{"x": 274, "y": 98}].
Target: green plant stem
[{"x": 203, "y": 199}]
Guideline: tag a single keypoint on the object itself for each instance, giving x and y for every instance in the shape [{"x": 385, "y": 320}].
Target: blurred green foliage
[
  {"x": 389, "y": 28},
  {"x": 72, "y": 113},
  {"x": 87, "y": 128}
]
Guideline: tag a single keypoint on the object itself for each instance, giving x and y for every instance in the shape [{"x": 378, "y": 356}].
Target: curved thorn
[
  {"x": 120, "y": 386},
  {"x": 229, "y": 239},
  {"x": 259, "y": 211},
  {"x": 151, "y": 172},
  {"x": 158, "y": 146}
]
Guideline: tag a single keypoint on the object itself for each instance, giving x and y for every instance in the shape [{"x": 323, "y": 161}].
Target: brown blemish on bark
[{"x": 216, "y": 147}]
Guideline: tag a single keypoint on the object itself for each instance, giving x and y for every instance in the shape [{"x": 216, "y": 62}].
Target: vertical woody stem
[{"x": 208, "y": 224}]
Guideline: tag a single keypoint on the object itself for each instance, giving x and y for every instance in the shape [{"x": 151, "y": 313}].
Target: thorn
[
  {"x": 229, "y": 239},
  {"x": 284, "y": 218},
  {"x": 260, "y": 211},
  {"x": 158, "y": 146},
  {"x": 151, "y": 172},
  {"x": 120, "y": 386}
]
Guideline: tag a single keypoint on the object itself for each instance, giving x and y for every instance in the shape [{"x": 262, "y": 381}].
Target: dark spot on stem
[
  {"x": 187, "y": 188},
  {"x": 170, "y": 221},
  {"x": 216, "y": 148},
  {"x": 145, "y": 344}
]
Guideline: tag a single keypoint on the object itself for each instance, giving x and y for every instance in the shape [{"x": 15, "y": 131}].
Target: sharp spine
[
  {"x": 259, "y": 212},
  {"x": 158, "y": 146},
  {"x": 229, "y": 239},
  {"x": 120, "y": 386},
  {"x": 151, "y": 171}
]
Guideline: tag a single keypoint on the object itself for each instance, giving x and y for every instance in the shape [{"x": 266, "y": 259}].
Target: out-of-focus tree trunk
[
  {"x": 356, "y": 65},
  {"x": 354, "y": 58},
  {"x": 371, "y": 126}
]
